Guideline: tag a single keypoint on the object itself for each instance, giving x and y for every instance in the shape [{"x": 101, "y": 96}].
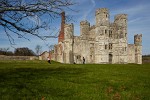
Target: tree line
[{"x": 24, "y": 51}]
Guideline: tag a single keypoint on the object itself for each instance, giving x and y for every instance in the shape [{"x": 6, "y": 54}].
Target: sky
[{"x": 138, "y": 12}]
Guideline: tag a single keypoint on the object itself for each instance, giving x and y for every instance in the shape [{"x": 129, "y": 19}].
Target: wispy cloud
[
  {"x": 134, "y": 20},
  {"x": 88, "y": 11}
]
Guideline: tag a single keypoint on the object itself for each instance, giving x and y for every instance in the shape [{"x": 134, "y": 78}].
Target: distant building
[
  {"x": 101, "y": 43},
  {"x": 44, "y": 55}
]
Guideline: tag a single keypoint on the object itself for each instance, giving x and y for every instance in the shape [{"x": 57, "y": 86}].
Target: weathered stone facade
[{"x": 102, "y": 43}]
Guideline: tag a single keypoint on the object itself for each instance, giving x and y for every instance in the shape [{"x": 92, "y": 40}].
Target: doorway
[{"x": 110, "y": 58}]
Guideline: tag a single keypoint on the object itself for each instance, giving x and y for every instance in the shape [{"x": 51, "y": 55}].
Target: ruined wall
[
  {"x": 131, "y": 53},
  {"x": 57, "y": 55},
  {"x": 103, "y": 42},
  {"x": 77, "y": 50},
  {"x": 44, "y": 56},
  {"x": 68, "y": 43}
]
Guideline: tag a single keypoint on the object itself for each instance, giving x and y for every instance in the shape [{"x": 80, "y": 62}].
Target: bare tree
[
  {"x": 22, "y": 17},
  {"x": 24, "y": 51},
  {"x": 5, "y": 51},
  {"x": 38, "y": 49}
]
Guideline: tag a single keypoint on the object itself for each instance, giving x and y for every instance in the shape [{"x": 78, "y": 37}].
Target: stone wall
[
  {"x": 3, "y": 57},
  {"x": 131, "y": 53}
]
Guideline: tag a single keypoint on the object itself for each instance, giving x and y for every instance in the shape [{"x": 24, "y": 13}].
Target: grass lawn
[{"x": 34, "y": 80}]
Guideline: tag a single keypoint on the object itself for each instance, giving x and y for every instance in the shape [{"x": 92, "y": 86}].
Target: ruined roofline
[
  {"x": 138, "y": 35},
  {"x": 85, "y": 22},
  {"x": 120, "y": 16},
  {"x": 92, "y": 27},
  {"x": 68, "y": 25},
  {"x": 137, "y": 38},
  {"x": 101, "y": 10}
]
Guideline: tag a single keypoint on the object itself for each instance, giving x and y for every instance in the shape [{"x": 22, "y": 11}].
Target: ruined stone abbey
[{"x": 102, "y": 43}]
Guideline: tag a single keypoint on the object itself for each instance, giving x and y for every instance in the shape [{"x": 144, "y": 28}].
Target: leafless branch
[{"x": 30, "y": 16}]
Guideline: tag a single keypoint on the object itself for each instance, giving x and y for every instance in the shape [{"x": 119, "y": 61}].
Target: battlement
[
  {"x": 69, "y": 25},
  {"x": 112, "y": 24},
  {"x": 138, "y": 39},
  {"x": 137, "y": 35},
  {"x": 92, "y": 27},
  {"x": 101, "y": 10},
  {"x": 84, "y": 23},
  {"x": 121, "y": 16}
]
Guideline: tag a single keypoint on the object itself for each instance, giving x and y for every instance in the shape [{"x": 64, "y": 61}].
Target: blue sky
[{"x": 138, "y": 21}]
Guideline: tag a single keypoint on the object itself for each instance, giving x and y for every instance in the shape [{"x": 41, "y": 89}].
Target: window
[
  {"x": 125, "y": 21},
  {"x": 110, "y": 33},
  {"x": 105, "y": 31},
  {"x": 125, "y": 49},
  {"x": 110, "y": 46},
  {"x": 121, "y": 35},
  {"x": 105, "y": 47}
]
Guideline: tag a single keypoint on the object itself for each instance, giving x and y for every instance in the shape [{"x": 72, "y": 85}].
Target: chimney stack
[{"x": 61, "y": 33}]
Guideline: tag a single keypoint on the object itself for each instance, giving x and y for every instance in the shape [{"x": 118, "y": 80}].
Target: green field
[{"x": 34, "y": 80}]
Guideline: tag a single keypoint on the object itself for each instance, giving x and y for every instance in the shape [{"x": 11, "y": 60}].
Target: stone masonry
[{"x": 102, "y": 43}]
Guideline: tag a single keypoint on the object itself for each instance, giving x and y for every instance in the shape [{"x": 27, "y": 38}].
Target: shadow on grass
[{"x": 32, "y": 83}]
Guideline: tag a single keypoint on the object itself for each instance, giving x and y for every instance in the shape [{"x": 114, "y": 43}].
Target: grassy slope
[{"x": 32, "y": 80}]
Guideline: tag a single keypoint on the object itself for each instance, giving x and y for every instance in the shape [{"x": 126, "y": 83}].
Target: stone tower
[
  {"x": 138, "y": 48},
  {"x": 102, "y": 17},
  {"x": 101, "y": 31},
  {"x": 68, "y": 43},
  {"x": 84, "y": 34},
  {"x": 121, "y": 41},
  {"x": 84, "y": 28}
]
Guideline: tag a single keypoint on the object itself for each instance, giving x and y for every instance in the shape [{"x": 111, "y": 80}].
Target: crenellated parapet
[
  {"x": 121, "y": 20},
  {"x": 92, "y": 27},
  {"x": 102, "y": 11},
  {"x": 85, "y": 23},
  {"x": 121, "y": 16},
  {"x": 102, "y": 17},
  {"x": 138, "y": 39}
]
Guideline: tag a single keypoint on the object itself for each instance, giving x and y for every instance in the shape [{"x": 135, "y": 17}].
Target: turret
[
  {"x": 138, "y": 40},
  {"x": 121, "y": 20},
  {"x": 138, "y": 48},
  {"x": 84, "y": 28},
  {"x": 102, "y": 17}
]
